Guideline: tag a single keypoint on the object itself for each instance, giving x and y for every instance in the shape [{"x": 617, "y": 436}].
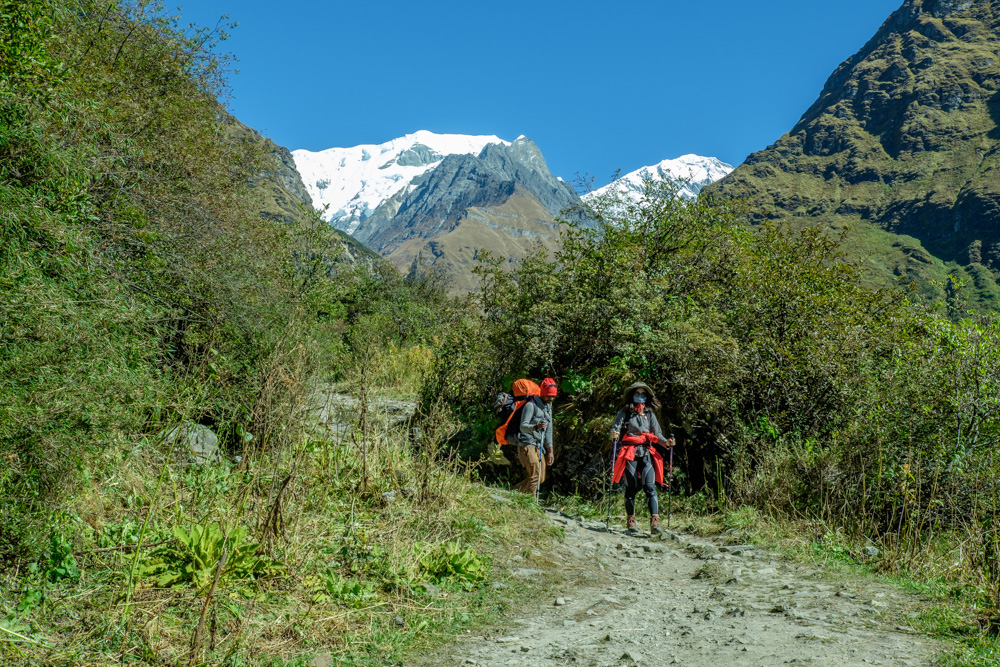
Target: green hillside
[
  {"x": 145, "y": 278},
  {"x": 174, "y": 486},
  {"x": 230, "y": 436},
  {"x": 903, "y": 138}
]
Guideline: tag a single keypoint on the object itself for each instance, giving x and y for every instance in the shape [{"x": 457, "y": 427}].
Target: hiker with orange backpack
[
  {"x": 636, "y": 431},
  {"x": 527, "y": 426},
  {"x": 534, "y": 442}
]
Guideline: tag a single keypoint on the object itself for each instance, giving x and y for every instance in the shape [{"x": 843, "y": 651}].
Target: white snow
[
  {"x": 354, "y": 181},
  {"x": 690, "y": 173}
]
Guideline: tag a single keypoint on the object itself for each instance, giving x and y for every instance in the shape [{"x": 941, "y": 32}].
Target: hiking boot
[
  {"x": 631, "y": 525},
  {"x": 654, "y": 525}
]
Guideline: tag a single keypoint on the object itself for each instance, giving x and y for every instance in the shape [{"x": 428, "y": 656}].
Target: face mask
[{"x": 638, "y": 399}]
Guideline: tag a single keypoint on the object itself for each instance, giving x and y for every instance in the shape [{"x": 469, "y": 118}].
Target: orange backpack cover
[{"x": 522, "y": 389}]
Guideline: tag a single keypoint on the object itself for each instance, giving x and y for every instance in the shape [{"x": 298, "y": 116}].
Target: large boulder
[{"x": 199, "y": 443}]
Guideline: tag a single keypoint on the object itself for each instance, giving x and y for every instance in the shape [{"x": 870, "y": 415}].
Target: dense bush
[
  {"x": 790, "y": 385},
  {"x": 141, "y": 284}
]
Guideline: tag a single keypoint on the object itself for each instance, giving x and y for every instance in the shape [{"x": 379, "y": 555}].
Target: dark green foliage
[{"x": 791, "y": 385}]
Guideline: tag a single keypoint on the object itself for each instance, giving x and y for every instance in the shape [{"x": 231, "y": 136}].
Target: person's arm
[
  {"x": 527, "y": 417},
  {"x": 616, "y": 427},
  {"x": 654, "y": 424}
]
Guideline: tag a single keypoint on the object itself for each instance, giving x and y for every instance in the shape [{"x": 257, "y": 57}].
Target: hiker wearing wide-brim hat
[{"x": 637, "y": 430}]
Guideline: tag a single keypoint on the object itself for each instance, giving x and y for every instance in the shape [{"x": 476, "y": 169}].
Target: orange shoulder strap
[{"x": 501, "y": 432}]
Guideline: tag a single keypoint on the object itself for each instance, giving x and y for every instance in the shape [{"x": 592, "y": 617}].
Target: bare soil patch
[{"x": 680, "y": 600}]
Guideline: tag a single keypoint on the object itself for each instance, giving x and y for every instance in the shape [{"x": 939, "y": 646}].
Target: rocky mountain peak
[
  {"x": 527, "y": 153},
  {"x": 503, "y": 199},
  {"x": 922, "y": 58}
]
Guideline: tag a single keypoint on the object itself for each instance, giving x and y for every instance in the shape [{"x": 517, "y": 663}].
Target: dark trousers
[{"x": 640, "y": 473}]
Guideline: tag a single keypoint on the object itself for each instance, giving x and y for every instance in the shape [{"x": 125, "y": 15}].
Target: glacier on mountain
[
  {"x": 350, "y": 183},
  {"x": 690, "y": 173}
]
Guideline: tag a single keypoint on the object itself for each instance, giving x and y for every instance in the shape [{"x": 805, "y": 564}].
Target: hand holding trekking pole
[{"x": 670, "y": 479}]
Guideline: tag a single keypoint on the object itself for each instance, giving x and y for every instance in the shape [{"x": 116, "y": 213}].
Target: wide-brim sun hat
[{"x": 631, "y": 389}]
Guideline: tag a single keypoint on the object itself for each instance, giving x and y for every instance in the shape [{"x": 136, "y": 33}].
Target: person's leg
[
  {"x": 520, "y": 459},
  {"x": 648, "y": 477},
  {"x": 631, "y": 488},
  {"x": 528, "y": 456}
]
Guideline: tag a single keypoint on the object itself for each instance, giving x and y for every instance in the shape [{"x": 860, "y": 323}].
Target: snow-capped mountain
[
  {"x": 503, "y": 199},
  {"x": 690, "y": 173},
  {"x": 354, "y": 181}
]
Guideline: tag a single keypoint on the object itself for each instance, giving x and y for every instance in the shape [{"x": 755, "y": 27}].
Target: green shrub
[
  {"x": 198, "y": 553},
  {"x": 450, "y": 562}
]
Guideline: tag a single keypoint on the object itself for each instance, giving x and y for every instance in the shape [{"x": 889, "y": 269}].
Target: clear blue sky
[{"x": 599, "y": 86}]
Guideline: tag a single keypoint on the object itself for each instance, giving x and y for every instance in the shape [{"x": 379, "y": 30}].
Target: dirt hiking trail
[{"x": 680, "y": 600}]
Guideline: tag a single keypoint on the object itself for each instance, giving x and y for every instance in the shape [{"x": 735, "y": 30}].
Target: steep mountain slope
[
  {"x": 691, "y": 173},
  {"x": 282, "y": 195},
  {"x": 504, "y": 200},
  {"x": 903, "y": 139},
  {"x": 353, "y": 181}
]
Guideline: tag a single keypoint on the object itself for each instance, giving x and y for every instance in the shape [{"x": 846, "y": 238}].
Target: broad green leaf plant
[{"x": 195, "y": 556}]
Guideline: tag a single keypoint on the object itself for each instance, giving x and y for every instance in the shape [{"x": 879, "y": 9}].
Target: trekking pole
[
  {"x": 670, "y": 481},
  {"x": 611, "y": 483}
]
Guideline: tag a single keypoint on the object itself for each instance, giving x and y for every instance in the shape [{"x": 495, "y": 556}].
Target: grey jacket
[
  {"x": 530, "y": 417},
  {"x": 637, "y": 424}
]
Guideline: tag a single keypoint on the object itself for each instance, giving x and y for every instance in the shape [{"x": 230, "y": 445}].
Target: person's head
[
  {"x": 639, "y": 393},
  {"x": 548, "y": 390}
]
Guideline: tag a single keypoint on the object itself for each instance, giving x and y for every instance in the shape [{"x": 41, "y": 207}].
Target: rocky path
[{"x": 679, "y": 600}]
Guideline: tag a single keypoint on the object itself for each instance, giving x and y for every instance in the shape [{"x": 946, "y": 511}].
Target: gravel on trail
[{"x": 682, "y": 600}]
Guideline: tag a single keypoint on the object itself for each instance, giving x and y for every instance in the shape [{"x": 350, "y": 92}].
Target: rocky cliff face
[
  {"x": 504, "y": 199},
  {"x": 281, "y": 193},
  {"x": 287, "y": 176},
  {"x": 904, "y": 137}
]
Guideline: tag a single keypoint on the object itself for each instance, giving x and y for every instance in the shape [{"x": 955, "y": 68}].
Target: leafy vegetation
[
  {"x": 793, "y": 387},
  {"x": 202, "y": 552},
  {"x": 450, "y": 562},
  {"x": 156, "y": 282}
]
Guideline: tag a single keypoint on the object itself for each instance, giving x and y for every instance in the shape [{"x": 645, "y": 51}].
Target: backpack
[
  {"x": 504, "y": 406},
  {"x": 508, "y": 408}
]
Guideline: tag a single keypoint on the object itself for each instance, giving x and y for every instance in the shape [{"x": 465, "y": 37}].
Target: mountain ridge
[
  {"x": 690, "y": 173},
  {"x": 407, "y": 198},
  {"x": 902, "y": 144},
  {"x": 350, "y": 183}
]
